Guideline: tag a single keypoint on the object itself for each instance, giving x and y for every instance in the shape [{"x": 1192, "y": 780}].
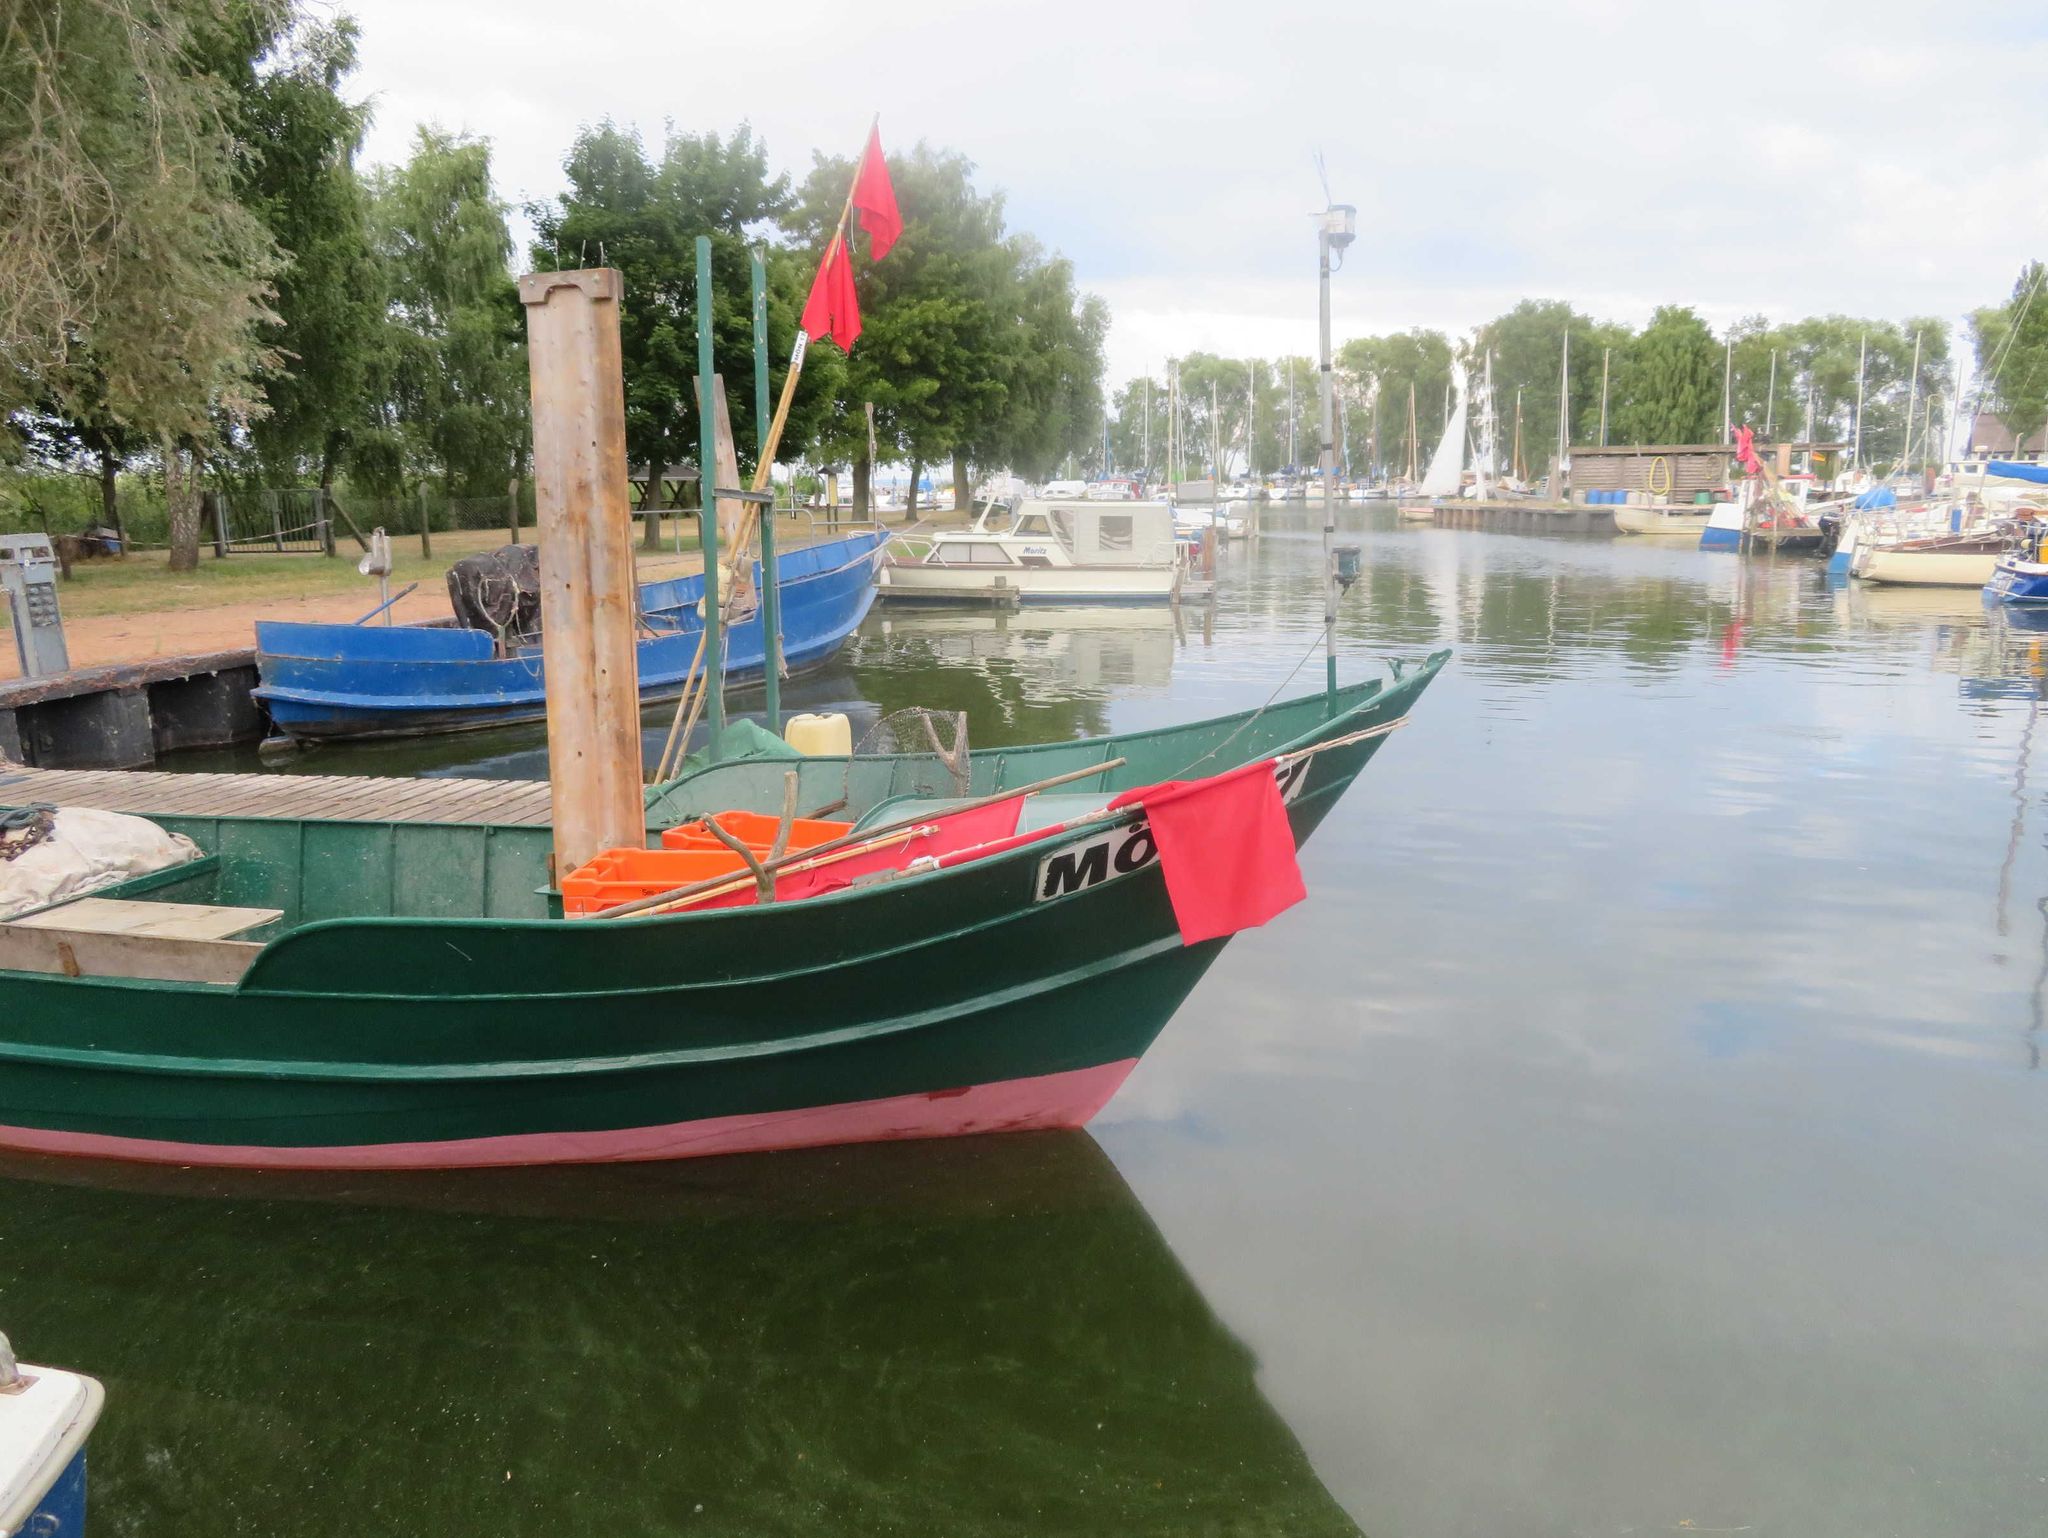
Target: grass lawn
[{"x": 144, "y": 582}]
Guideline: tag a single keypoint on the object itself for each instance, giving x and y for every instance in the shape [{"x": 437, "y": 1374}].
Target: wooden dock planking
[{"x": 330, "y": 797}]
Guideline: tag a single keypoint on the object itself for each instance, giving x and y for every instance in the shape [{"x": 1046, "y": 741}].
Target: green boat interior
[{"x": 258, "y": 877}]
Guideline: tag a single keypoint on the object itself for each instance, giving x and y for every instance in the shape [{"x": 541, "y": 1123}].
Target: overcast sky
[{"x": 1873, "y": 158}]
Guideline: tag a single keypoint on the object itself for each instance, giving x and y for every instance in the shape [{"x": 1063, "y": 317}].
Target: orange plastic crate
[
  {"x": 622, "y": 875},
  {"x": 754, "y": 829}
]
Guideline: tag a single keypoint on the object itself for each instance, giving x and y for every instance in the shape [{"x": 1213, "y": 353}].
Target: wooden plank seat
[{"x": 116, "y": 937}]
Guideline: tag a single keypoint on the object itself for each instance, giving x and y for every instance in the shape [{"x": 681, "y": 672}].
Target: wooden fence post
[
  {"x": 588, "y": 597},
  {"x": 210, "y": 508},
  {"x": 512, "y": 511}
]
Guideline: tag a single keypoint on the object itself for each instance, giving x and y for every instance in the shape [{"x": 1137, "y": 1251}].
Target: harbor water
[{"x": 1642, "y": 1128}]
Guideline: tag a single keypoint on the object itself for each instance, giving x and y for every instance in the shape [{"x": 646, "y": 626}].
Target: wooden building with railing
[{"x": 1677, "y": 472}]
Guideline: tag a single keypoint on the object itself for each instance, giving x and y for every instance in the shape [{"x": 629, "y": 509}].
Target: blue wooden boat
[{"x": 325, "y": 682}]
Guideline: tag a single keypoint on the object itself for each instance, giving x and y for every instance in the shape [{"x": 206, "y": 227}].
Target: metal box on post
[{"x": 28, "y": 574}]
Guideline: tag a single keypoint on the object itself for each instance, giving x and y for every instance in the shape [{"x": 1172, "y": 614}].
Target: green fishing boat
[{"x": 408, "y": 998}]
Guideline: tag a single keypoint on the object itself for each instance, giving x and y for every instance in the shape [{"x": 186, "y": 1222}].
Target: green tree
[
  {"x": 1393, "y": 366},
  {"x": 1052, "y": 401},
  {"x": 449, "y": 370},
  {"x": 1669, "y": 391},
  {"x": 133, "y": 283},
  {"x": 643, "y": 217},
  {"x": 300, "y": 138},
  {"x": 975, "y": 347},
  {"x": 2012, "y": 353}
]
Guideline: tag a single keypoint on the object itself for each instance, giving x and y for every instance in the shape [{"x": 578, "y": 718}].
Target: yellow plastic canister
[{"x": 812, "y": 735}]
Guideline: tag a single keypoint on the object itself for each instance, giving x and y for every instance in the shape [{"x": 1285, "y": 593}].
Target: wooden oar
[{"x": 843, "y": 847}]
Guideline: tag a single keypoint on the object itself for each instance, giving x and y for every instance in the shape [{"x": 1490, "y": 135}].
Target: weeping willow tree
[{"x": 134, "y": 286}]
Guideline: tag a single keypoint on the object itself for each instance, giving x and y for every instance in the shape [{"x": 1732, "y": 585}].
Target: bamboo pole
[{"x": 771, "y": 589}]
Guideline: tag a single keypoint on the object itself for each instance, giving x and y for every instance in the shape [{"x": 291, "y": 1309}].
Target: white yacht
[{"x": 1050, "y": 552}]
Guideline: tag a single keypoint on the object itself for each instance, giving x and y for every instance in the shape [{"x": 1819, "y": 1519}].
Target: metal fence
[{"x": 293, "y": 522}]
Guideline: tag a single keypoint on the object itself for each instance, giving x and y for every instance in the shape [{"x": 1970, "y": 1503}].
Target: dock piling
[{"x": 587, "y": 588}]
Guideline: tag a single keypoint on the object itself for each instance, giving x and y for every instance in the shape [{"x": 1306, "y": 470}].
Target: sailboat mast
[
  {"x": 1148, "y": 421},
  {"x": 1343, "y": 424},
  {"x": 1912, "y": 400},
  {"x": 1290, "y": 415},
  {"x": 1372, "y": 438},
  {"x": 1515, "y": 464},
  {"x": 1215, "y": 441},
  {"x": 1251, "y": 418},
  {"x": 1728, "y": 389},
  {"x": 1564, "y": 407},
  {"x": 1413, "y": 433},
  {"x": 1955, "y": 406},
  {"x": 1172, "y": 425},
  {"x": 1856, "y": 448},
  {"x": 1771, "y": 397},
  {"x": 1606, "y": 358}
]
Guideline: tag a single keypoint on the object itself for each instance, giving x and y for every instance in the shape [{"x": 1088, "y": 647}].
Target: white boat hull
[
  {"x": 1676, "y": 521},
  {"x": 919, "y": 583},
  {"x": 1921, "y": 568}
]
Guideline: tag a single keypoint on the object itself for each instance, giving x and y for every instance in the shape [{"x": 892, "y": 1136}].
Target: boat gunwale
[{"x": 531, "y": 652}]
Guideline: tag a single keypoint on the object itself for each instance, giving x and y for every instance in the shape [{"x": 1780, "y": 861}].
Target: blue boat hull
[
  {"x": 330, "y": 682},
  {"x": 2018, "y": 582}
]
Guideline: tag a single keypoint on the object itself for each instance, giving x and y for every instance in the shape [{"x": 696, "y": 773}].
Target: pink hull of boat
[{"x": 1051, "y": 1100}]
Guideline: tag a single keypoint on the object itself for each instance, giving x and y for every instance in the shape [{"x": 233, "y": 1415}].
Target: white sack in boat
[{"x": 85, "y": 851}]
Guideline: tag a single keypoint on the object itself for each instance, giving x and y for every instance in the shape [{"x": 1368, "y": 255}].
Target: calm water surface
[{"x": 1641, "y": 1129}]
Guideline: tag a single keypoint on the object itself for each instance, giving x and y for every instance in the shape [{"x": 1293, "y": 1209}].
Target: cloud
[{"x": 1783, "y": 159}]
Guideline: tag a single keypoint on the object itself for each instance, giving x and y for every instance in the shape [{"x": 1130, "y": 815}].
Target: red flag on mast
[
  {"x": 875, "y": 196},
  {"x": 832, "y": 308}
]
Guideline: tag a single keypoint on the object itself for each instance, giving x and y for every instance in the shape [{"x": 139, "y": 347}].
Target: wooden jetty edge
[{"x": 320, "y": 797}]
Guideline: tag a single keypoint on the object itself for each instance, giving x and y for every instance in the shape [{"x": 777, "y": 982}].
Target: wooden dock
[
  {"x": 1525, "y": 517},
  {"x": 318, "y": 797}
]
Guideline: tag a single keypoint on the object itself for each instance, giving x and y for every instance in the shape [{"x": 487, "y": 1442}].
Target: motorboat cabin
[{"x": 1051, "y": 552}]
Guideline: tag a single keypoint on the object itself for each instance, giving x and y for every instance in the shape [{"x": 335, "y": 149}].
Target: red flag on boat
[
  {"x": 875, "y": 196},
  {"x": 832, "y": 308},
  {"x": 1225, "y": 848}
]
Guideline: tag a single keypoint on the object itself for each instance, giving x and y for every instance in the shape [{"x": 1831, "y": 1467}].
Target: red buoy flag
[
  {"x": 875, "y": 196},
  {"x": 832, "y": 309},
  {"x": 1225, "y": 849}
]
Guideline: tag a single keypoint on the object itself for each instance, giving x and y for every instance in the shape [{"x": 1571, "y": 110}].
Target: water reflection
[{"x": 982, "y": 1335}]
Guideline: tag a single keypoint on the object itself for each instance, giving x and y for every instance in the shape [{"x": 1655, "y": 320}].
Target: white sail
[{"x": 1447, "y": 466}]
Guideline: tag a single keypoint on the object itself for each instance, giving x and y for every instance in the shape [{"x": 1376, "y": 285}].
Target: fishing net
[
  {"x": 498, "y": 591},
  {"x": 929, "y": 750}
]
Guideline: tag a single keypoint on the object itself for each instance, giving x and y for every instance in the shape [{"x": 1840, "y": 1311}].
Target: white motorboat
[
  {"x": 1240, "y": 520},
  {"x": 1051, "y": 552}
]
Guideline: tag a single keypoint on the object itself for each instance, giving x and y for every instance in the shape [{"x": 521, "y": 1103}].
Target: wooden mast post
[{"x": 584, "y": 527}]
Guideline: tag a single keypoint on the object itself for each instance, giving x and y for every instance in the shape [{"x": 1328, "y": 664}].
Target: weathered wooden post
[
  {"x": 584, "y": 527},
  {"x": 512, "y": 511},
  {"x": 426, "y": 528}
]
